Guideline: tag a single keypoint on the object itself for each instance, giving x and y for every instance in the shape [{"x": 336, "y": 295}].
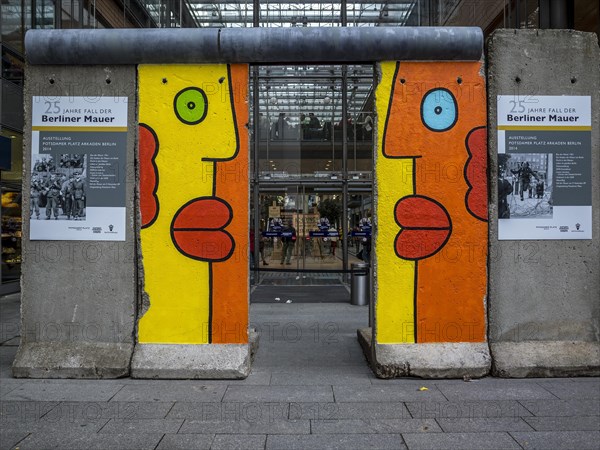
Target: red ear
[
  {"x": 476, "y": 173},
  {"x": 148, "y": 149}
]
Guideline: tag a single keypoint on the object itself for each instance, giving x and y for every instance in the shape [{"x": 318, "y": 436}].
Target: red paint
[
  {"x": 416, "y": 211},
  {"x": 476, "y": 173},
  {"x": 419, "y": 244},
  {"x": 204, "y": 213},
  {"x": 197, "y": 229},
  {"x": 148, "y": 149},
  {"x": 425, "y": 224},
  {"x": 204, "y": 245}
]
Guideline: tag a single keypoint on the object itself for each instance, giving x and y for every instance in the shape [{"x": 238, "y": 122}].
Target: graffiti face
[
  {"x": 432, "y": 233},
  {"x": 188, "y": 132}
]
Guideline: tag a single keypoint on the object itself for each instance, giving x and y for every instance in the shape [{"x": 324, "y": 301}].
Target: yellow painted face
[
  {"x": 189, "y": 108},
  {"x": 187, "y": 123}
]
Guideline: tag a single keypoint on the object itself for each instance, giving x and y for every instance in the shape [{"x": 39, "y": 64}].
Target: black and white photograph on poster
[
  {"x": 525, "y": 185},
  {"x": 58, "y": 193},
  {"x": 78, "y": 168},
  {"x": 71, "y": 161},
  {"x": 544, "y": 167}
]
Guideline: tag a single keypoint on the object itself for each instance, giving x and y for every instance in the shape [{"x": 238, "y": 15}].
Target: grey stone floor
[{"x": 309, "y": 389}]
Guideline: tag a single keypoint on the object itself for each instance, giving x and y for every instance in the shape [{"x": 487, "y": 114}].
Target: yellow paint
[
  {"x": 178, "y": 286},
  {"x": 394, "y": 307}
]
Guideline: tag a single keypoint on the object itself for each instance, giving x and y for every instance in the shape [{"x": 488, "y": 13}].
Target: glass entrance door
[
  {"x": 301, "y": 238},
  {"x": 312, "y": 143}
]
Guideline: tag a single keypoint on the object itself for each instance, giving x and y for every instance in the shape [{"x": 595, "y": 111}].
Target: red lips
[
  {"x": 198, "y": 231},
  {"x": 426, "y": 227}
]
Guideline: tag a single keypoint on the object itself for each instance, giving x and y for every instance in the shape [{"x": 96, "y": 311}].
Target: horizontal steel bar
[{"x": 252, "y": 45}]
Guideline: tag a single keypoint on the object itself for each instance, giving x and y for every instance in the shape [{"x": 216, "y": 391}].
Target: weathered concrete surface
[
  {"x": 202, "y": 361},
  {"x": 443, "y": 360},
  {"x": 544, "y": 291},
  {"x": 543, "y": 359},
  {"x": 78, "y": 297},
  {"x": 73, "y": 360}
]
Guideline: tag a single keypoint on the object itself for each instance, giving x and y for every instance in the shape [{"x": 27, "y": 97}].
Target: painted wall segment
[
  {"x": 431, "y": 203},
  {"x": 192, "y": 219}
]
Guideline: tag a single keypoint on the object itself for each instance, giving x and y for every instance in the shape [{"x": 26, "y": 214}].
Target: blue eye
[{"x": 439, "y": 111}]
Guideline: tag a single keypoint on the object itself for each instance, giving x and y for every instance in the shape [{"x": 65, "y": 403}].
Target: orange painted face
[
  {"x": 438, "y": 108},
  {"x": 435, "y": 121}
]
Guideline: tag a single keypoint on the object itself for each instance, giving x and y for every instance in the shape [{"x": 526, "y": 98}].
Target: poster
[
  {"x": 544, "y": 167},
  {"x": 274, "y": 211},
  {"x": 78, "y": 167}
]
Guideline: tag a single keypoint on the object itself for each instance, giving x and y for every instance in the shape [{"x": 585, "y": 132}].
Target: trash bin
[{"x": 359, "y": 285}]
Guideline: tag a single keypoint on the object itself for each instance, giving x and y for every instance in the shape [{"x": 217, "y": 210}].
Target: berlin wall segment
[
  {"x": 78, "y": 285},
  {"x": 544, "y": 273},
  {"x": 431, "y": 220},
  {"x": 194, "y": 217}
]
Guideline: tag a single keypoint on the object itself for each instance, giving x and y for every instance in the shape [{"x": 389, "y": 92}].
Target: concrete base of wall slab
[
  {"x": 187, "y": 361},
  {"x": 443, "y": 360},
  {"x": 72, "y": 360},
  {"x": 545, "y": 359}
]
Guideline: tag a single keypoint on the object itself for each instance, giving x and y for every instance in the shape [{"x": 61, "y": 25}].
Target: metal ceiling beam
[
  {"x": 252, "y": 45},
  {"x": 272, "y": 4},
  {"x": 291, "y": 19}
]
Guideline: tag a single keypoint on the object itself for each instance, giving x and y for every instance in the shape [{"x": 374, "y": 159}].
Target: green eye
[{"x": 191, "y": 105}]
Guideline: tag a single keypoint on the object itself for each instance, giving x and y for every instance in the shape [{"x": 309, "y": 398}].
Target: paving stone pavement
[{"x": 309, "y": 388}]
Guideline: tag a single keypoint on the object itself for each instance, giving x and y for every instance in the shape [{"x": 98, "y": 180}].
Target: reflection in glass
[
  {"x": 11, "y": 233},
  {"x": 300, "y": 121}
]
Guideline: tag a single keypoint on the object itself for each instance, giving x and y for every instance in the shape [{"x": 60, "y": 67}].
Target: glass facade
[
  {"x": 10, "y": 209},
  {"x": 312, "y": 142}
]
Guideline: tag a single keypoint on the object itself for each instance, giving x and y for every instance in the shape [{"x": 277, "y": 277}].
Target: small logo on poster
[
  {"x": 577, "y": 229},
  {"x": 564, "y": 229},
  {"x": 111, "y": 227}
]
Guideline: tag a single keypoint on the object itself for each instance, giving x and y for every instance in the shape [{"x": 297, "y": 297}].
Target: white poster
[
  {"x": 78, "y": 168},
  {"x": 544, "y": 167}
]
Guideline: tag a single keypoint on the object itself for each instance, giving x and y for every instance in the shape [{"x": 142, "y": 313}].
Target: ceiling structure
[
  {"x": 294, "y": 90},
  {"x": 297, "y": 89},
  {"x": 283, "y": 13}
]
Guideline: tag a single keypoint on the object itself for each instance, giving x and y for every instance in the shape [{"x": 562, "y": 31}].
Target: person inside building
[
  {"x": 288, "y": 238},
  {"x": 334, "y": 240},
  {"x": 366, "y": 250},
  {"x": 368, "y": 128}
]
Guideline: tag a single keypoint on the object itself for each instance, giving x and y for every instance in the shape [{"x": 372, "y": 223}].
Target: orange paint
[
  {"x": 435, "y": 118},
  {"x": 230, "y": 278}
]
